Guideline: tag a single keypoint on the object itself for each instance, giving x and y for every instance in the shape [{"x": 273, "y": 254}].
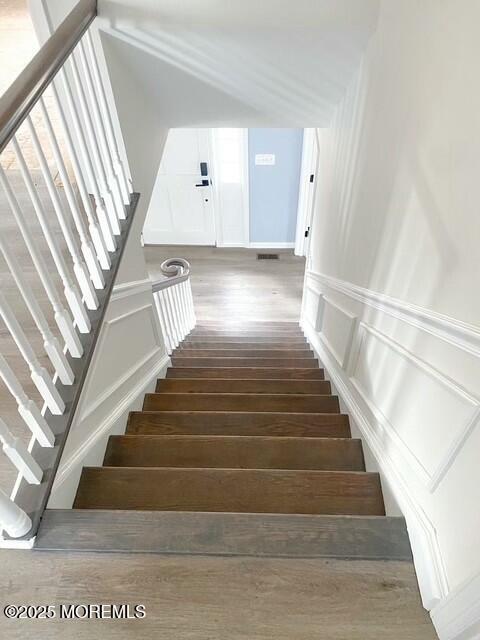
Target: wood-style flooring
[
  {"x": 208, "y": 598},
  {"x": 231, "y": 284}
]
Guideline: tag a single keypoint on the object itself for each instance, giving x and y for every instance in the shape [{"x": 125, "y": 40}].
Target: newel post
[{"x": 13, "y": 519}]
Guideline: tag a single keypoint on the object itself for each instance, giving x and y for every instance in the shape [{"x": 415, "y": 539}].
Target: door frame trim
[{"x": 306, "y": 204}]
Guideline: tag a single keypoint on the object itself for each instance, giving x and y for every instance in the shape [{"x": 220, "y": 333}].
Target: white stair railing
[
  {"x": 174, "y": 302},
  {"x": 75, "y": 243}
]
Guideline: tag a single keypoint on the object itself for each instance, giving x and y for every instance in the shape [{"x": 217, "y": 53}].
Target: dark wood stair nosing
[
  {"x": 232, "y": 452},
  {"x": 224, "y": 534}
]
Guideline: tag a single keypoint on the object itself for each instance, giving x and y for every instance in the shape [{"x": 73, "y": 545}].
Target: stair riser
[
  {"x": 220, "y": 490},
  {"x": 240, "y": 402},
  {"x": 287, "y": 363},
  {"x": 305, "y": 425},
  {"x": 246, "y": 373},
  {"x": 172, "y": 385},
  {"x": 234, "y": 453}
]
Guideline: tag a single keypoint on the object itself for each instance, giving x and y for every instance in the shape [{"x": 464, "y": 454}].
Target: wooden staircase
[{"x": 242, "y": 449}]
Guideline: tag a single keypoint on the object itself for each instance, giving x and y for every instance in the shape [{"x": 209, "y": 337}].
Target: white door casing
[
  {"x": 181, "y": 212},
  {"x": 307, "y": 191}
]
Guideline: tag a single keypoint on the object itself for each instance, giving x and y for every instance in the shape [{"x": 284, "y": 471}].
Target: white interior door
[{"x": 181, "y": 207}]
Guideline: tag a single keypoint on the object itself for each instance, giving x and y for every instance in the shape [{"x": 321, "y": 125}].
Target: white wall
[
  {"x": 391, "y": 300},
  {"x": 243, "y": 64}
]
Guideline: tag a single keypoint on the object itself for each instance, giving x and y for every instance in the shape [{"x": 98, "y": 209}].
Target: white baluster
[
  {"x": 183, "y": 300},
  {"x": 171, "y": 317},
  {"x": 181, "y": 315},
  {"x": 19, "y": 455},
  {"x": 192, "y": 305},
  {"x": 93, "y": 146},
  {"x": 71, "y": 292},
  {"x": 39, "y": 375},
  {"x": 102, "y": 215},
  {"x": 79, "y": 267},
  {"x": 180, "y": 318},
  {"x": 26, "y": 407},
  {"x": 118, "y": 165},
  {"x": 161, "y": 319},
  {"x": 189, "y": 305},
  {"x": 112, "y": 177},
  {"x": 13, "y": 520},
  {"x": 62, "y": 317},
  {"x": 166, "y": 313},
  {"x": 50, "y": 343},
  {"x": 95, "y": 253}
]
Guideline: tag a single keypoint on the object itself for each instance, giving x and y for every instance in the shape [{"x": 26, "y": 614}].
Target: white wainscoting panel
[
  {"x": 338, "y": 328},
  {"x": 128, "y": 358},
  {"x": 405, "y": 392},
  {"x": 423, "y": 538}
]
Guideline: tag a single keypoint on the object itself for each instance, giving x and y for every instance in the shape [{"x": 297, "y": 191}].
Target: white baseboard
[
  {"x": 231, "y": 245},
  {"x": 457, "y": 617},
  {"x": 271, "y": 245},
  {"x": 427, "y": 557}
]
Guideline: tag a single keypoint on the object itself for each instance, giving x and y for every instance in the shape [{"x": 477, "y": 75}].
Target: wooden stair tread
[
  {"x": 247, "y": 324},
  {"x": 241, "y": 402},
  {"x": 244, "y": 346},
  {"x": 180, "y": 360},
  {"x": 234, "y": 452},
  {"x": 230, "y": 490},
  {"x": 243, "y": 353},
  {"x": 253, "y": 373},
  {"x": 334, "y": 425},
  {"x": 225, "y": 534},
  {"x": 241, "y": 450},
  {"x": 290, "y": 340},
  {"x": 235, "y": 335},
  {"x": 219, "y": 385}
]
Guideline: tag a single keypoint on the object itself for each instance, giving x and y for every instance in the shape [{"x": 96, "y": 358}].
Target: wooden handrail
[
  {"x": 19, "y": 99},
  {"x": 176, "y": 269}
]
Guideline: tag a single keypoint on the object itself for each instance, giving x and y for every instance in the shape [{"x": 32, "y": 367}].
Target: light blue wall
[{"x": 274, "y": 189}]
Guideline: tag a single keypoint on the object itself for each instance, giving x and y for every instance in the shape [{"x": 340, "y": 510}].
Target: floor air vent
[{"x": 267, "y": 256}]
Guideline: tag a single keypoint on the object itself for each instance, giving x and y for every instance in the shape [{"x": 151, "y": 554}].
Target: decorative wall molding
[
  {"x": 146, "y": 370},
  {"x": 458, "y": 615},
  {"x": 111, "y": 389},
  {"x": 423, "y": 538},
  {"x": 352, "y": 320},
  {"x": 126, "y": 289},
  {"x": 431, "y": 480},
  {"x": 455, "y": 332}
]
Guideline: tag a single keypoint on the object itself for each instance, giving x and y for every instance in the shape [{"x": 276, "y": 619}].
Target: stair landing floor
[{"x": 208, "y": 598}]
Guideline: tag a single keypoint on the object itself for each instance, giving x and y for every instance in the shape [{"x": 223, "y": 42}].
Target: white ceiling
[{"x": 242, "y": 62}]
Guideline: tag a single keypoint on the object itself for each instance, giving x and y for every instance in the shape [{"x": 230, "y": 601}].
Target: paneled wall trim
[
  {"x": 121, "y": 371},
  {"x": 415, "y": 419},
  {"x": 457, "y": 333}
]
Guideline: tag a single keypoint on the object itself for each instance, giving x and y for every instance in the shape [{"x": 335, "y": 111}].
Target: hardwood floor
[
  {"x": 207, "y": 598},
  {"x": 231, "y": 284}
]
